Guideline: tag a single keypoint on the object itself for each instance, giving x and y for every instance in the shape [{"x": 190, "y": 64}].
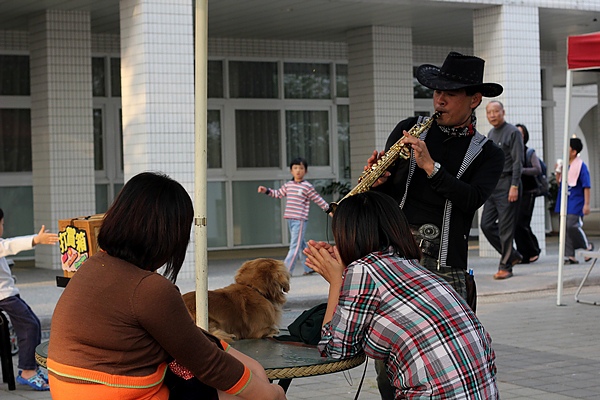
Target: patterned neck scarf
[{"x": 468, "y": 130}]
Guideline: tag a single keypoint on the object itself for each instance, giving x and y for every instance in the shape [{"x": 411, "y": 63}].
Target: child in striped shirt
[{"x": 299, "y": 193}]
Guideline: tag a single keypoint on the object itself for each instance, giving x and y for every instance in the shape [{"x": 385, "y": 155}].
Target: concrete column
[
  {"x": 380, "y": 85},
  {"x": 157, "y": 83},
  {"x": 61, "y": 122},
  {"x": 507, "y": 37}
]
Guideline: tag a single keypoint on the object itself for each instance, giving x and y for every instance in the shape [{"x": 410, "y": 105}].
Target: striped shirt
[
  {"x": 433, "y": 345},
  {"x": 299, "y": 195}
]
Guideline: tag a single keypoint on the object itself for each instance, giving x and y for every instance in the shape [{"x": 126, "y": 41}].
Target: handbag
[{"x": 307, "y": 327}]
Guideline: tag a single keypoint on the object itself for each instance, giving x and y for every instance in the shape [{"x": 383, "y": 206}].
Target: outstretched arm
[{"x": 44, "y": 237}]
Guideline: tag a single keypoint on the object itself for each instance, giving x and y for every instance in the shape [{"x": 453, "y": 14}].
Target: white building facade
[{"x": 91, "y": 95}]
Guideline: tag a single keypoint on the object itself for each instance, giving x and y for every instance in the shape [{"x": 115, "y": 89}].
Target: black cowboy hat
[{"x": 458, "y": 72}]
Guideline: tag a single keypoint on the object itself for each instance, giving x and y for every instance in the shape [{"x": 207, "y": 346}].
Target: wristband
[{"x": 268, "y": 191}]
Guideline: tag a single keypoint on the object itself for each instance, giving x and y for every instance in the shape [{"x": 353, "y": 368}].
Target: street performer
[{"x": 452, "y": 171}]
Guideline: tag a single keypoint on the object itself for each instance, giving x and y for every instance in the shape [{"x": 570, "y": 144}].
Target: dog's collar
[{"x": 259, "y": 292}]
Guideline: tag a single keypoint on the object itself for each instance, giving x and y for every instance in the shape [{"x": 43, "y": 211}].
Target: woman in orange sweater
[{"x": 119, "y": 323}]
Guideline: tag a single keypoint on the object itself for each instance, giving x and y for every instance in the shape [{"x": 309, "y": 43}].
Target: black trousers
[
  {"x": 526, "y": 241},
  {"x": 498, "y": 223}
]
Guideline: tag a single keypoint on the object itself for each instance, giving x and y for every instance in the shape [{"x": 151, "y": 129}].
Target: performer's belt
[
  {"x": 505, "y": 174},
  {"x": 428, "y": 239}
]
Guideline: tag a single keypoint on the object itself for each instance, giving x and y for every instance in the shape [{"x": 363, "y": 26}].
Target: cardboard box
[{"x": 78, "y": 241}]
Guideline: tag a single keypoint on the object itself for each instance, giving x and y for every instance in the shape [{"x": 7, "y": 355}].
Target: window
[
  {"x": 115, "y": 77},
  {"x": 253, "y": 80},
  {"x": 420, "y": 91},
  {"x": 98, "y": 140},
  {"x": 254, "y": 224},
  {"x": 16, "y": 190},
  {"x": 101, "y": 80},
  {"x": 215, "y": 79},
  {"x": 307, "y": 81},
  {"x": 214, "y": 139},
  {"x": 14, "y": 75},
  {"x": 216, "y": 209},
  {"x": 341, "y": 80},
  {"x": 15, "y": 140},
  {"x": 257, "y": 139},
  {"x": 101, "y": 198},
  {"x": 343, "y": 129},
  {"x": 307, "y": 135},
  {"x": 98, "y": 77},
  {"x": 108, "y": 129},
  {"x": 17, "y": 204},
  {"x": 268, "y": 113}
]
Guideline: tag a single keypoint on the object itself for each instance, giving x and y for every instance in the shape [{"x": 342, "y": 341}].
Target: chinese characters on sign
[{"x": 73, "y": 247}]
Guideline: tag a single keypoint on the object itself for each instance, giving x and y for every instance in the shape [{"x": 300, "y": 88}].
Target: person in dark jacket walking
[{"x": 525, "y": 240}]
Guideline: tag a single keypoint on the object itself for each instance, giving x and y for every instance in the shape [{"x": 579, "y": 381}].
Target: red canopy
[{"x": 583, "y": 51}]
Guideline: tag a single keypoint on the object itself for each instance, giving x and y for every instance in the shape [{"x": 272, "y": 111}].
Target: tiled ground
[{"x": 543, "y": 351}]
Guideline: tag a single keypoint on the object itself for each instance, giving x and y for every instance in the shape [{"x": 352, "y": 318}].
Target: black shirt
[{"x": 427, "y": 197}]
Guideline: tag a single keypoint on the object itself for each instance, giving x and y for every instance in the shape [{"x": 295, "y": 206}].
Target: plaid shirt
[
  {"x": 299, "y": 195},
  {"x": 433, "y": 345}
]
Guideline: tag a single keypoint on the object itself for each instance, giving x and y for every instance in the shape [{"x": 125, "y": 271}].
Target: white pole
[
  {"x": 563, "y": 190},
  {"x": 200, "y": 164}
]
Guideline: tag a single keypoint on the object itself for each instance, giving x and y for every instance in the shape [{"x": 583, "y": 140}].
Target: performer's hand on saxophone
[
  {"x": 420, "y": 152},
  {"x": 376, "y": 171},
  {"x": 372, "y": 161}
]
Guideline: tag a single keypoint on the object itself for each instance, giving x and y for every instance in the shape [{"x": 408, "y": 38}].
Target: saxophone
[{"x": 398, "y": 149}]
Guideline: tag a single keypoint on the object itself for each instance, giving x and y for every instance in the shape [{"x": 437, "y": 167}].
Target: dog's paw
[
  {"x": 221, "y": 334},
  {"x": 272, "y": 332}
]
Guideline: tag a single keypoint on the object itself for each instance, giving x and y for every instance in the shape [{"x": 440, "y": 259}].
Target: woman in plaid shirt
[{"x": 382, "y": 302}]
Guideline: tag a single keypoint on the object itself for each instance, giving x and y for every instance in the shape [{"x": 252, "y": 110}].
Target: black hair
[
  {"x": 576, "y": 144},
  {"x": 149, "y": 224},
  {"x": 1, "y": 214},
  {"x": 369, "y": 222},
  {"x": 299, "y": 161},
  {"x": 525, "y": 133},
  {"x": 472, "y": 91}
]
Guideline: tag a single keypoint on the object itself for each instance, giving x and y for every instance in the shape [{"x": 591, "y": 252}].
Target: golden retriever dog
[{"x": 251, "y": 307}]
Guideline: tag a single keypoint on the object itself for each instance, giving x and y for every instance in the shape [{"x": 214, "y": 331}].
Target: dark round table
[{"x": 282, "y": 361}]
